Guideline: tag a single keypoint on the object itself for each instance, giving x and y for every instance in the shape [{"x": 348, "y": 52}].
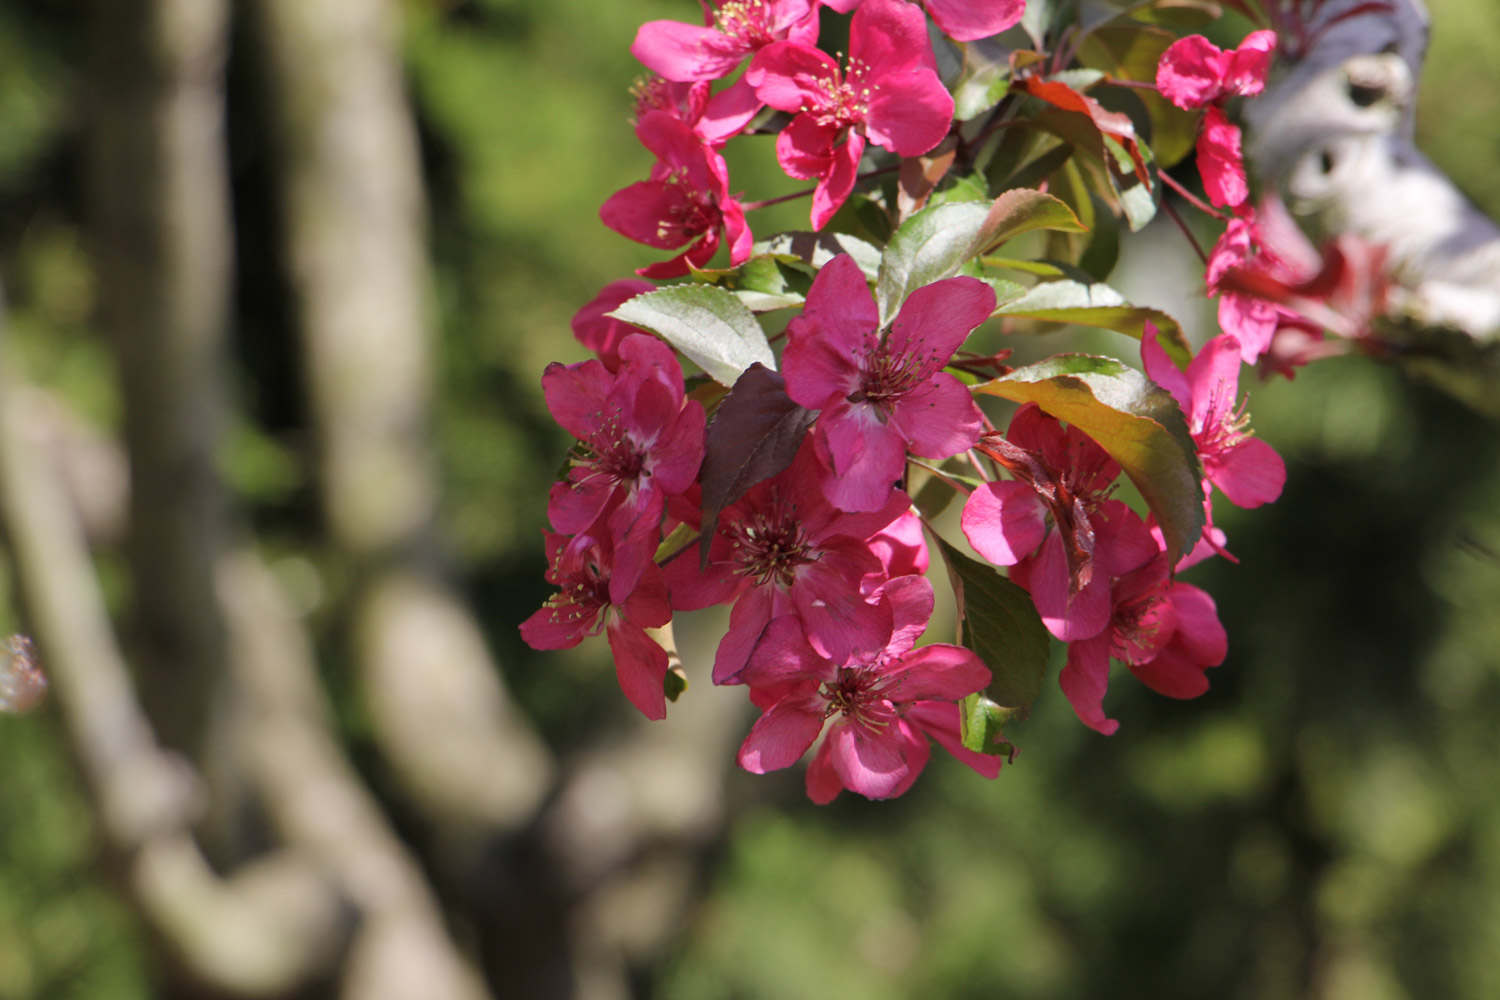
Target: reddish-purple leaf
[{"x": 754, "y": 435}]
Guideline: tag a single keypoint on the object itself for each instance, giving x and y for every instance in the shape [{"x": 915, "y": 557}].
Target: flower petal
[
  {"x": 782, "y": 735},
  {"x": 641, "y": 667},
  {"x": 1085, "y": 679}
]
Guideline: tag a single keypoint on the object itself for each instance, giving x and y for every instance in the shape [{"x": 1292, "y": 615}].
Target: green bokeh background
[{"x": 1324, "y": 823}]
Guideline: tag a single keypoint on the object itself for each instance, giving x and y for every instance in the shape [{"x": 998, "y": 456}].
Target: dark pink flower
[
  {"x": 1167, "y": 632},
  {"x": 1055, "y": 522},
  {"x": 590, "y": 597},
  {"x": 1250, "y": 319},
  {"x": 961, "y": 20},
  {"x": 734, "y": 30},
  {"x": 714, "y": 118},
  {"x": 1245, "y": 468},
  {"x": 881, "y": 397},
  {"x": 890, "y": 94},
  {"x": 783, "y": 549},
  {"x": 1194, "y": 72},
  {"x": 685, "y": 203},
  {"x": 640, "y": 442},
  {"x": 1221, "y": 161},
  {"x": 882, "y": 704},
  {"x": 595, "y": 329}
]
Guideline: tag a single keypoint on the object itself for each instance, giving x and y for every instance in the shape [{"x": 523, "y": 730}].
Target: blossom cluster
[{"x": 812, "y": 538}]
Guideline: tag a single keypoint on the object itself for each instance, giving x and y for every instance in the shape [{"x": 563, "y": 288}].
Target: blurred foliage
[{"x": 1323, "y": 823}]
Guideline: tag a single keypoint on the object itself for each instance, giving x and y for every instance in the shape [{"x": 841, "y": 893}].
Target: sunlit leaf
[
  {"x": 709, "y": 325},
  {"x": 1097, "y": 305},
  {"x": 1138, "y": 423}
]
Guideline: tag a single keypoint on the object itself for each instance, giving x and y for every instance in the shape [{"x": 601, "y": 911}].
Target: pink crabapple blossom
[
  {"x": 591, "y": 596},
  {"x": 734, "y": 29},
  {"x": 713, "y": 118},
  {"x": 1165, "y": 631},
  {"x": 783, "y": 549},
  {"x": 686, "y": 202},
  {"x": 882, "y": 397},
  {"x": 1055, "y": 523},
  {"x": 889, "y": 94},
  {"x": 961, "y": 20},
  {"x": 883, "y": 704},
  {"x": 1246, "y": 469},
  {"x": 640, "y": 442}
]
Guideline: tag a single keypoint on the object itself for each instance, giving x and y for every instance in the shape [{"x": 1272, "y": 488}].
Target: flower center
[
  {"x": 746, "y": 21},
  {"x": 855, "y": 694},
  {"x": 770, "y": 548}
]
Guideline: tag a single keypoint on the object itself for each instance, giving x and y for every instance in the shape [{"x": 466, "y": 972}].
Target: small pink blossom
[
  {"x": 1167, "y": 632},
  {"x": 883, "y": 704},
  {"x": 890, "y": 94},
  {"x": 734, "y": 29},
  {"x": 590, "y": 597},
  {"x": 1194, "y": 72},
  {"x": 783, "y": 549},
  {"x": 641, "y": 442},
  {"x": 1245, "y": 468},
  {"x": 961, "y": 20},
  {"x": 1250, "y": 319},
  {"x": 1055, "y": 522},
  {"x": 1221, "y": 161},
  {"x": 881, "y": 397},
  {"x": 714, "y": 118},
  {"x": 686, "y": 203}
]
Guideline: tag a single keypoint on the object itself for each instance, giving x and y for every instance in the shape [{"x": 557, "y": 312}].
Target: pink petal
[
  {"x": 578, "y": 396},
  {"x": 825, "y": 343},
  {"x": 911, "y": 602},
  {"x": 641, "y": 667},
  {"x": 636, "y": 212},
  {"x": 559, "y": 626},
  {"x": 783, "y": 655},
  {"x": 1068, "y": 616},
  {"x": 1215, "y": 378},
  {"x": 938, "y": 418},
  {"x": 888, "y": 38},
  {"x": 1199, "y": 630},
  {"x": 970, "y": 20},
  {"x": 910, "y": 113},
  {"x": 823, "y": 782},
  {"x": 839, "y": 623},
  {"x": 1172, "y": 673},
  {"x": 1084, "y": 680},
  {"x": 782, "y": 735},
  {"x": 790, "y": 75},
  {"x": 1163, "y": 371},
  {"x": 833, "y": 190},
  {"x": 1188, "y": 73},
  {"x": 747, "y": 623},
  {"x": 1251, "y": 320},
  {"x": 1005, "y": 522},
  {"x": 685, "y": 52},
  {"x": 728, "y": 112},
  {"x": 939, "y": 720},
  {"x": 1220, "y": 160},
  {"x": 940, "y": 672},
  {"x": 1247, "y": 67},
  {"x": 876, "y": 765},
  {"x": 805, "y": 148},
  {"x": 1249, "y": 473},
  {"x": 596, "y": 331},
  {"x": 864, "y": 454},
  {"x": 901, "y": 547},
  {"x": 935, "y": 320}
]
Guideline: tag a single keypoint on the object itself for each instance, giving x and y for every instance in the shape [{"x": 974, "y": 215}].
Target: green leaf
[
  {"x": 816, "y": 249},
  {"x": 982, "y": 726},
  {"x": 985, "y": 79},
  {"x": 1129, "y": 50},
  {"x": 709, "y": 325},
  {"x": 938, "y": 241},
  {"x": 1098, "y": 305},
  {"x": 998, "y": 621},
  {"x": 1137, "y": 422}
]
